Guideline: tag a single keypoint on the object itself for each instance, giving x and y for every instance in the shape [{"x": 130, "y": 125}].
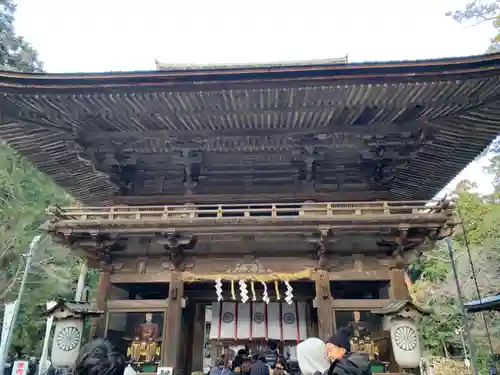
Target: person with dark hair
[
  {"x": 272, "y": 354},
  {"x": 343, "y": 362},
  {"x": 99, "y": 357},
  {"x": 279, "y": 369},
  {"x": 259, "y": 367},
  {"x": 246, "y": 366},
  {"x": 238, "y": 359},
  {"x": 220, "y": 367},
  {"x": 338, "y": 361}
]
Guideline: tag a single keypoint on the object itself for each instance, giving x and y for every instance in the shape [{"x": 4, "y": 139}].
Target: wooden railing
[{"x": 261, "y": 210}]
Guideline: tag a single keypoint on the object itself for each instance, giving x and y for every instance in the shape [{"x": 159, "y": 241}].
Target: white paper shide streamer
[
  {"x": 265, "y": 295},
  {"x": 288, "y": 293},
  {"x": 218, "y": 290},
  {"x": 243, "y": 291}
]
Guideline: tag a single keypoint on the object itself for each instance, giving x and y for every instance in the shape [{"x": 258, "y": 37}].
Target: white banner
[
  {"x": 20, "y": 368},
  {"x": 273, "y": 321},
  {"x": 8, "y": 314},
  {"x": 259, "y": 323},
  {"x": 44, "y": 362},
  {"x": 224, "y": 315},
  {"x": 243, "y": 321},
  {"x": 214, "y": 326},
  {"x": 66, "y": 342}
]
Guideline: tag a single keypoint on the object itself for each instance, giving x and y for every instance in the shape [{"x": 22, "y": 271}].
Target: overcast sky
[{"x": 113, "y": 35}]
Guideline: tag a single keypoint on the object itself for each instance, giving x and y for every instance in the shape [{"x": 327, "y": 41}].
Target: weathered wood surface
[
  {"x": 337, "y": 210},
  {"x": 187, "y": 233},
  {"x": 323, "y": 304},
  {"x": 126, "y": 270},
  {"x": 98, "y": 328},
  {"x": 227, "y": 218},
  {"x": 404, "y": 129},
  {"x": 173, "y": 330}
]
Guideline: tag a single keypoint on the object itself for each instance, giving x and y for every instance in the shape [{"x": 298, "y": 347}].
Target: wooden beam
[
  {"x": 323, "y": 303},
  {"x": 152, "y": 277},
  {"x": 174, "y": 321},
  {"x": 352, "y": 275},
  {"x": 251, "y": 198},
  {"x": 165, "y": 277},
  {"x": 137, "y": 304},
  {"x": 398, "y": 287},
  {"x": 358, "y": 304},
  {"x": 98, "y": 328}
]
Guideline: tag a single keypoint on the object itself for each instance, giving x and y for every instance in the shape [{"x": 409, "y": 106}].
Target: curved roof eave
[{"x": 361, "y": 72}]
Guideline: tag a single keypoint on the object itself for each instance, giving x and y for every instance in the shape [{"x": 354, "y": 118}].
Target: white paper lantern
[
  {"x": 67, "y": 341},
  {"x": 405, "y": 342}
]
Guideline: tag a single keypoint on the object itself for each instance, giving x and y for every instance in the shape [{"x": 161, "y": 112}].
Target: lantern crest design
[
  {"x": 401, "y": 319},
  {"x": 69, "y": 317}
]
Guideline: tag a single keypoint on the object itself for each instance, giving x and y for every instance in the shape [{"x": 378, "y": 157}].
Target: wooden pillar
[
  {"x": 399, "y": 289},
  {"x": 198, "y": 338},
  {"x": 187, "y": 338},
  {"x": 174, "y": 322},
  {"x": 103, "y": 290},
  {"x": 323, "y": 304}
]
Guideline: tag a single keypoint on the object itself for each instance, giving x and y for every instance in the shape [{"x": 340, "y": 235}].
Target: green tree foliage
[
  {"x": 15, "y": 53},
  {"x": 24, "y": 196},
  {"x": 479, "y": 11},
  {"x": 436, "y": 287}
]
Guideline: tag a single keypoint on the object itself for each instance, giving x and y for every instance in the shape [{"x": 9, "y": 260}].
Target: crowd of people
[
  {"x": 270, "y": 362},
  {"x": 315, "y": 357}
]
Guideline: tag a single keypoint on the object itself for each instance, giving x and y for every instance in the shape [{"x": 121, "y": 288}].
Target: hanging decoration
[
  {"x": 243, "y": 291},
  {"x": 277, "y": 290},
  {"x": 233, "y": 293},
  {"x": 288, "y": 293},
  {"x": 265, "y": 295},
  {"x": 266, "y": 277},
  {"x": 218, "y": 290}
]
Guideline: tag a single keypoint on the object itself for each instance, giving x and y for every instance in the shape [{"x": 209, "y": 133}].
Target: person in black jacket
[
  {"x": 99, "y": 357},
  {"x": 238, "y": 360},
  {"x": 272, "y": 354},
  {"x": 343, "y": 362},
  {"x": 259, "y": 366}
]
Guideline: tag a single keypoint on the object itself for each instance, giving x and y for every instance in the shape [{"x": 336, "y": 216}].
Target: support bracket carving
[{"x": 174, "y": 244}]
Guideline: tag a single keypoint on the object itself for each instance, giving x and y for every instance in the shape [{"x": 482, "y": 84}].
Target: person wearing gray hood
[
  {"x": 311, "y": 355},
  {"x": 333, "y": 358}
]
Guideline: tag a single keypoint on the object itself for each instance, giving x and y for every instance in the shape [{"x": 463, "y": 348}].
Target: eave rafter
[{"x": 70, "y": 125}]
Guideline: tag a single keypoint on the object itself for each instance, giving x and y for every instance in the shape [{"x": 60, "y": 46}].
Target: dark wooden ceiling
[{"x": 388, "y": 131}]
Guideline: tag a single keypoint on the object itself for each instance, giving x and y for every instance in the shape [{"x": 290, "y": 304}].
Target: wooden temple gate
[
  {"x": 152, "y": 269},
  {"x": 320, "y": 169}
]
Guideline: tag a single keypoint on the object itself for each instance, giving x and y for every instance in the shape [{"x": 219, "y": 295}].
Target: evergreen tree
[
  {"x": 24, "y": 196},
  {"x": 479, "y": 11},
  {"x": 435, "y": 284}
]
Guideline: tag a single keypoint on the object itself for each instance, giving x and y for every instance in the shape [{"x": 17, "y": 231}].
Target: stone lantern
[
  {"x": 401, "y": 319},
  {"x": 69, "y": 318}
]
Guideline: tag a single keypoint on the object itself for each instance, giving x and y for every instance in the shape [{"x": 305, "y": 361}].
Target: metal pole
[
  {"x": 472, "y": 349},
  {"x": 80, "y": 287},
  {"x": 3, "y": 356}
]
